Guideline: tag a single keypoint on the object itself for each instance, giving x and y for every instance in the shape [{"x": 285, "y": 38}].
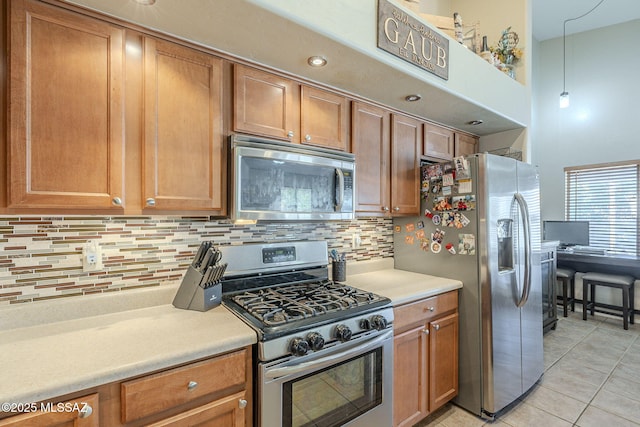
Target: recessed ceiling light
[
  {"x": 413, "y": 98},
  {"x": 317, "y": 61},
  {"x": 146, "y": 2},
  {"x": 475, "y": 122}
]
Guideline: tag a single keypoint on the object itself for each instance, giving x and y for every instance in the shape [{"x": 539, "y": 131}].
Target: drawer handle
[
  {"x": 192, "y": 385},
  {"x": 425, "y": 331},
  {"x": 85, "y": 412},
  {"x": 242, "y": 403},
  {"x": 436, "y": 327},
  {"x": 431, "y": 309}
]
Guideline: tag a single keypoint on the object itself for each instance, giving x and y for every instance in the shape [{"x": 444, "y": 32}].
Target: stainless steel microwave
[{"x": 273, "y": 180}]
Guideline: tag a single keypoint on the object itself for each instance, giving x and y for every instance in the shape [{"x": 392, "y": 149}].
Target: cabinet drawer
[
  {"x": 424, "y": 310},
  {"x": 158, "y": 392}
]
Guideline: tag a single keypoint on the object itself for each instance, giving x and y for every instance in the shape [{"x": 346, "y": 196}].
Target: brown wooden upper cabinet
[
  {"x": 65, "y": 115},
  {"x": 387, "y": 148},
  {"x": 406, "y": 145},
  {"x": 438, "y": 142},
  {"x": 183, "y": 142},
  {"x": 465, "y": 144},
  {"x": 269, "y": 105},
  {"x": 371, "y": 144}
]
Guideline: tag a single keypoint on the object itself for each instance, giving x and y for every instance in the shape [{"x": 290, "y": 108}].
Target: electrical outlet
[
  {"x": 91, "y": 256},
  {"x": 356, "y": 241}
]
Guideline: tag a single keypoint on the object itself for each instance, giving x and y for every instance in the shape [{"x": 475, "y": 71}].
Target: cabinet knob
[
  {"x": 385, "y": 208},
  {"x": 117, "y": 201},
  {"x": 307, "y": 138},
  {"x": 436, "y": 327},
  {"x": 431, "y": 309},
  {"x": 151, "y": 202},
  {"x": 425, "y": 331},
  {"x": 290, "y": 134},
  {"x": 192, "y": 385},
  {"x": 242, "y": 403},
  {"x": 85, "y": 412},
  {"x": 396, "y": 209}
]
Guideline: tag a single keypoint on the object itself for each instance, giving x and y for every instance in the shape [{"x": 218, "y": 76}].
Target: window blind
[{"x": 607, "y": 197}]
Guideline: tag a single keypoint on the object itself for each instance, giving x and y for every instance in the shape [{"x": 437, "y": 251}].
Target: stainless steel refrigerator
[{"x": 480, "y": 224}]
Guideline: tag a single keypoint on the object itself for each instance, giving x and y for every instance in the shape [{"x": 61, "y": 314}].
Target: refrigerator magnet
[
  {"x": 442, "y": 203},
  {"x": 397, "y": 228},
  {"x": 408, "y": 240},
  {"x": 424, "y": 245},
  {"x": 446, "y": 191},
  {"x": 420, "y": 224},
  {"x": 448, "y": 219},
  {"x": 436, "y": 219},
  {"x": 436, "y": 247},
  {"x": 464, "y": 203},
  {"x": 466, "y": 244},
  {"x": 450, "y": 248},
  {"x": 447, "y": 180},
  {"x": 465, "y": 186},
  {"x": 427, "y": 213},
  {"x": 420, "y": 234},
  {"x": 409, "y": 227},
  {"x": 438, "y": 235}
]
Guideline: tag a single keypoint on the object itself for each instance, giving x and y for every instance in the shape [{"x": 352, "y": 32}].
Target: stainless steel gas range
[{"x": 325, "y": 349}]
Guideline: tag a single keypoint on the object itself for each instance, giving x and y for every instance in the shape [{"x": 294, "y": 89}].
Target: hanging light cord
[{"x": 564, "y": 44}]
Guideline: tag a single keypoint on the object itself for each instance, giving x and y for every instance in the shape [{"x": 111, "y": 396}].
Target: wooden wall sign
[{"x": 410, "y": 39}]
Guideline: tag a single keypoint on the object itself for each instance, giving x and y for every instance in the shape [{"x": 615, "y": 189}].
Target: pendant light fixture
[{"x": 564, "y": 96}]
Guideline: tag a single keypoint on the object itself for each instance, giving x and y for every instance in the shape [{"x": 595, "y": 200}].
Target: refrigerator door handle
[{"x": 524, "y": 214}]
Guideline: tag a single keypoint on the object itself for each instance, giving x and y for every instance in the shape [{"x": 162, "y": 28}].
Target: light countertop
[
  {"x": 44, "y": 361},
  {"x": 52, "y": 348},
  {"x": 398, "y": 285}
]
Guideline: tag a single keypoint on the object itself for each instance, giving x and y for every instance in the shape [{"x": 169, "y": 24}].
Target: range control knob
[
  {"x": 365, "y": 324},
  {"x": 343, "y": 333},
  {"x": 378, "y": 322},
  {"x": 299, "y": 346},
  {"x": 315, "y": 340}
]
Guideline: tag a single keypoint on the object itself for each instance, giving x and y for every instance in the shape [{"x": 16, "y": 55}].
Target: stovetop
[{"x": 287, "y": 308}]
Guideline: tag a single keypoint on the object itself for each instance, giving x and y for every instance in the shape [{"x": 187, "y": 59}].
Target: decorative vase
[{"x": 508, "y": 67}]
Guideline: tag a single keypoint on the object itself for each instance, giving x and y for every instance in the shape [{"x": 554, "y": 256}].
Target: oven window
[{"x": 335, "y": 395}]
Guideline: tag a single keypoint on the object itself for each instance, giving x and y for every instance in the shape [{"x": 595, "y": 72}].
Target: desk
[{"x": 611, "y": 264}]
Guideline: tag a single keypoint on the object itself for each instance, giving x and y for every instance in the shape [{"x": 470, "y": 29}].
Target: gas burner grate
[{"x": 288, "y": 303}]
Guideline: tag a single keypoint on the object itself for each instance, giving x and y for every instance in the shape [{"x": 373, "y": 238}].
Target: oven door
[{"x": 349, "y": 386}]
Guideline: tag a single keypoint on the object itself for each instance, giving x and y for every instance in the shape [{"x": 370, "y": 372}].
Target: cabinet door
[
  {"x": 80, "y": 412},
  {"x": 183, "y": 142},
  {"x": 438, "y": 142},
  {"x": 443, "y": 360},
  {"x": 406, "y": 144},
  {"x": 324, "y": 119},
  {"x": 65, "y": 109},
  {"x": 226, "y": 412},
  {"x": 371, "y": 144},
  {"x": 465, "y": 144},
  {"x": 266, "y": 104},
  {"x": 410, "y": 381}
]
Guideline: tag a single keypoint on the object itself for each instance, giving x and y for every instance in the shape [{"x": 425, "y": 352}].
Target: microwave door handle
[{"x": 340, "y": 199}]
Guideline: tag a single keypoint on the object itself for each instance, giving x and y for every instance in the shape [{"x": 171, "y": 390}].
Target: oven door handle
[{"x": 327, "y": 361}]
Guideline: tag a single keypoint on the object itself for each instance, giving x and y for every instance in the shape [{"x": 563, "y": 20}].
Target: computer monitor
[{"x": 568, "y": 233}]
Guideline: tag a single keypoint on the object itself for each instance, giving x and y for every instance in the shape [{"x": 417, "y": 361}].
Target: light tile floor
[{"x": 591, "y": 379}]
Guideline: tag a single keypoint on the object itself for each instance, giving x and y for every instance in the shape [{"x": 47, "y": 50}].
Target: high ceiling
[{"x": 549, "y": 15}]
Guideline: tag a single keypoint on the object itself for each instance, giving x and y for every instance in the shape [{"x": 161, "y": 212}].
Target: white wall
[{"x": 601, "y": 124}]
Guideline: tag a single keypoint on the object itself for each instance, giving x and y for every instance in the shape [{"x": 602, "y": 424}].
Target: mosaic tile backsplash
[{"x": 41, "y": 256}]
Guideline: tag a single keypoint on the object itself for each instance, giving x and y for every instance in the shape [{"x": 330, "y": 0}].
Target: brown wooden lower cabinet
[
  {"x": 425, "y": 357},
  {"x": 80, "y": 412},
  {"x": 214, "y": 392}
]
